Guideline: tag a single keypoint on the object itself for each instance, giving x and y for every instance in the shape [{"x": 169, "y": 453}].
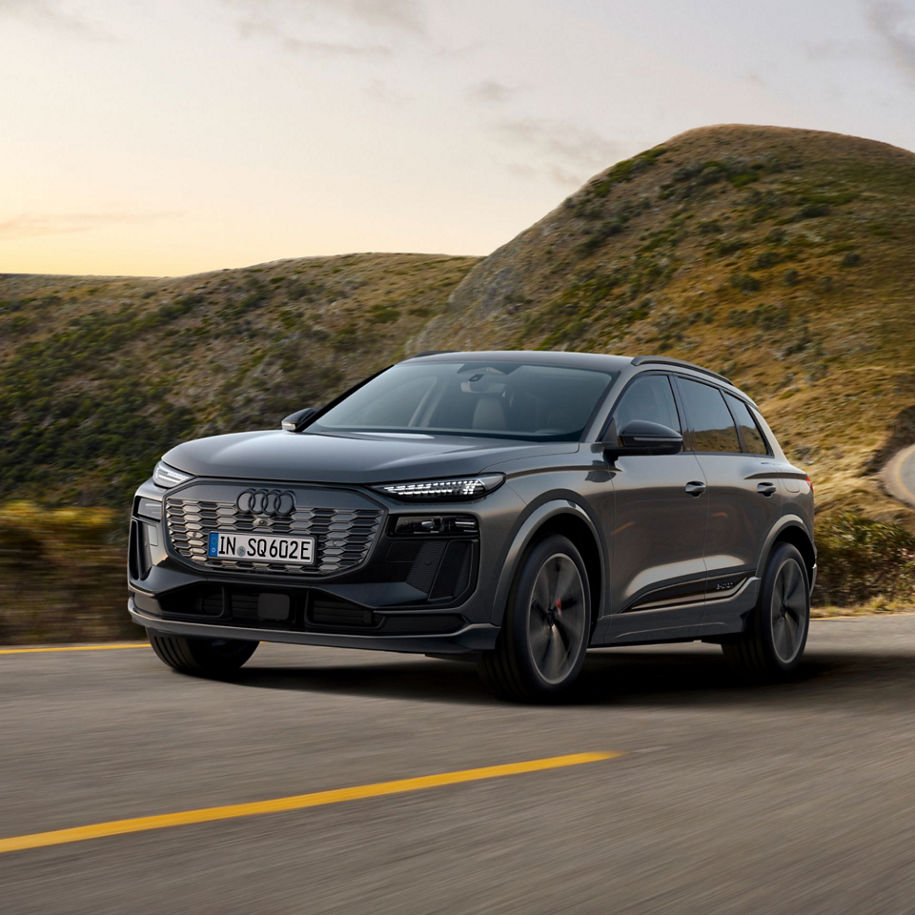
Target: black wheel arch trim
[
  {"x": 793, "y": 530},
  {"x": 534, "y": 521}
]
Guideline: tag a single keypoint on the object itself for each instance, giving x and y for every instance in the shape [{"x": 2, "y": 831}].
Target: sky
[{"x": 181, "y": 136}]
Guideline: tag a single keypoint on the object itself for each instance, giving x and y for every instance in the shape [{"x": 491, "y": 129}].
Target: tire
[
  {"x": 772, "y": 644},
  {"x": 216, "y": 658},
  {"x": 547, "y": 626}
]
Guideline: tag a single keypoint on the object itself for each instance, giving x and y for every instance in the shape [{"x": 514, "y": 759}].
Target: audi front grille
[{"x": 343, "y": 536}]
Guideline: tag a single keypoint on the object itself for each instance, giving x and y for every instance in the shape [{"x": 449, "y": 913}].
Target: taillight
[{"x": 810, "y": 484}]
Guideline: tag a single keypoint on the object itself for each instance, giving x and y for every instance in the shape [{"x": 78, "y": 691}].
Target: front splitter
[{"x": 473, "y": 637}]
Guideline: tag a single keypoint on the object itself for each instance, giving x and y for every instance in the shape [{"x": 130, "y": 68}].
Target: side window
[
  {"x": 712, "y": 424},
  {"x": 651, "y": 398},
  {"x": 751, "y": 439}
]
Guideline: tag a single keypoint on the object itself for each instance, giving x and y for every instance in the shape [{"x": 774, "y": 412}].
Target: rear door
[{"x": 657, "y": 572}]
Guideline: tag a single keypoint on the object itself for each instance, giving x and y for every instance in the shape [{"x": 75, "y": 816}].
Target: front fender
[{"x": 526, "y": 534}]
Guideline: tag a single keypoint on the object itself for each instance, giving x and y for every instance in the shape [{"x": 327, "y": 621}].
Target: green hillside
[
  {"x": 100, "y": 375},
  {"x": 782, "y": 258}
]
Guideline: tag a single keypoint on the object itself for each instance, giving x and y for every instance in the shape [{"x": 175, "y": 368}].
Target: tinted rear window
[
  {"x": 751, "y": 439},
  {"x": 709, "y": 418}
]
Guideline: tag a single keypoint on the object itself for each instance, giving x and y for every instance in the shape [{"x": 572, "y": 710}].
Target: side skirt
[{"x": 720, "y": 613}]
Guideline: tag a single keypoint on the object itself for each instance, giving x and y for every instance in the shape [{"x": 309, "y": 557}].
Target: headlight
[
  {"x": 166, "y": 476},
  {"x": 443, "y": 490}
]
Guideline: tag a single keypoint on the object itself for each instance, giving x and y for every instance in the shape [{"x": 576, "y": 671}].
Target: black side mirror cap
[
  {"x": 639, "y": 436},
  {"x": 296, "y": 422}
]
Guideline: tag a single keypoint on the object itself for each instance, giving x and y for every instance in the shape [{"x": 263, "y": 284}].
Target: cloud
[
  {"x": 55, "y": 14},
  {"x": 400, "y": 15},
  {"x": 32, "y": 225},
  {"x": 490, "y": 92},
  {"x": 346, "y": 28},
  {"x": 380, "y": 91},
  {"x": 888, "y": 20},
  {"x": 265, "y": 28},
  {"x": 834, "y": 50},
  {"x": 566, "y": 153}
]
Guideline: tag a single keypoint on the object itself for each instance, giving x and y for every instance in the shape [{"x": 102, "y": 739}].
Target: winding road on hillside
[
  {"x": 341, "y": 781},
  {"x": 899, "y": 475}
]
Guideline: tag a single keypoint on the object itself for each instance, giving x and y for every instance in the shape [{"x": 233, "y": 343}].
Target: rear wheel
[
  {"x": 544, "y": 637},
  {"x": 776, "y": 633},
  {"x": 202, "y": 657}
]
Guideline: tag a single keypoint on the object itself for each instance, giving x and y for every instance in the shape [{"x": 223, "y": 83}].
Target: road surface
[
  {"x": 723, "y": 798},
  {"x": 899, "y": 475}
]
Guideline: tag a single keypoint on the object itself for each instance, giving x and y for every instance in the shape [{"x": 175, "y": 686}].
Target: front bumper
[
  {"x": 403, "y": 592},
  {"x": 470, "y": 637}
]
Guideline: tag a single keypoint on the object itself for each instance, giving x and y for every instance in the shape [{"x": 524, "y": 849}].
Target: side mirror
[
  {"x": 639, "y": 436},
  {"x": 296, "y": 422}
]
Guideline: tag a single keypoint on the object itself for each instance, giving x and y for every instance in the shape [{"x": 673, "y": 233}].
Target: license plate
[{"x": 261, "y": 548}]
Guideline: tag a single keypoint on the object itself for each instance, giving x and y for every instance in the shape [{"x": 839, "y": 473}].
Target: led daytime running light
[
  {"x": 458, "y": 488},
  {"x": 166, "y": 476}
]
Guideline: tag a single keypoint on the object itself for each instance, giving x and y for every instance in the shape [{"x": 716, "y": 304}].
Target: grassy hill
[
  {"x": 782, "y": 258},
  {"x": 99, "y": 375}
]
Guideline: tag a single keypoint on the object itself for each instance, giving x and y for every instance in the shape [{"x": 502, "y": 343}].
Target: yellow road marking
[
  {"x": 296, "y": 802},
  {"x": 112, "y": 646}
]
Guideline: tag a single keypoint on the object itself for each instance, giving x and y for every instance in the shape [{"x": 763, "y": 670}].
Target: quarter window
[
  {"x": 648, "y": 397},
  {"x": 712, "y": 424},
  {"x": 751, "y": 439}
]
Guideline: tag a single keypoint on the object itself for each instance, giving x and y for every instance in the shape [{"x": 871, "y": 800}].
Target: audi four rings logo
[{"x": 274, "y": 503}]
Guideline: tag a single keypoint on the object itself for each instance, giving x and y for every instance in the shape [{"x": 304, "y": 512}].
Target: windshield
[{"x": 500, "y": 399}]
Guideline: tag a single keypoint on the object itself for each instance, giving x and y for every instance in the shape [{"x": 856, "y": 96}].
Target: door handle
[
  {"x": 695, "y": 488},
  {"x": 765, "y": 488}
]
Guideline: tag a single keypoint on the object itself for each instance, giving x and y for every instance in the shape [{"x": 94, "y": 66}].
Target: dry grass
[
  {"x": 879, "y": 606},
  {"x": 98, "y": 376}
]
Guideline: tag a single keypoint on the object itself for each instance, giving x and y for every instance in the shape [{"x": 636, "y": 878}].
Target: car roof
[{"x": 594, "y": 361}]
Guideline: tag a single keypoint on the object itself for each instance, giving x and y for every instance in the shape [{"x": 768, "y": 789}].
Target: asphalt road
[
  {"x": 899, "y": 475},
  {"x": 795, "y": 798}
]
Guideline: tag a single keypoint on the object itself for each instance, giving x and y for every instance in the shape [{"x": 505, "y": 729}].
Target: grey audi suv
[{"x": 515, "y": 508}]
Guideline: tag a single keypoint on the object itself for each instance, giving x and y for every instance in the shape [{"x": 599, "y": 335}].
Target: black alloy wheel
[
  {"x": 774, "y": 640},
  {"x": 547, "y": 625}
]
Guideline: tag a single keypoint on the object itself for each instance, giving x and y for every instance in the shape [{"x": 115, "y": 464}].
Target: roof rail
[{"x": 666, "y": 360}]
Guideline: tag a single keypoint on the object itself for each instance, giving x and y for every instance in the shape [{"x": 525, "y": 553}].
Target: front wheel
[
  {"x": 773, "y": 642},
  {"x": 201, "y": 657},
  {"x": 544, "y": 637}
]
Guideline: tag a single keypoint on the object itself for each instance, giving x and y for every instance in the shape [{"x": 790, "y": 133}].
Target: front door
[{"x": 657, "y": 541}]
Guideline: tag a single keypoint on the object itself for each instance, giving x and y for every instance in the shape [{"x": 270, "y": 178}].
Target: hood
[{"x": 348, "y": 458}]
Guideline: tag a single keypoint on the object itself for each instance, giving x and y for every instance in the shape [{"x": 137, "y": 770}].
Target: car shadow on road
[
  {"x": 621, "y": 678},
  {"x": 667, "y": 679},
  {"x": 426, "y": 680}
]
